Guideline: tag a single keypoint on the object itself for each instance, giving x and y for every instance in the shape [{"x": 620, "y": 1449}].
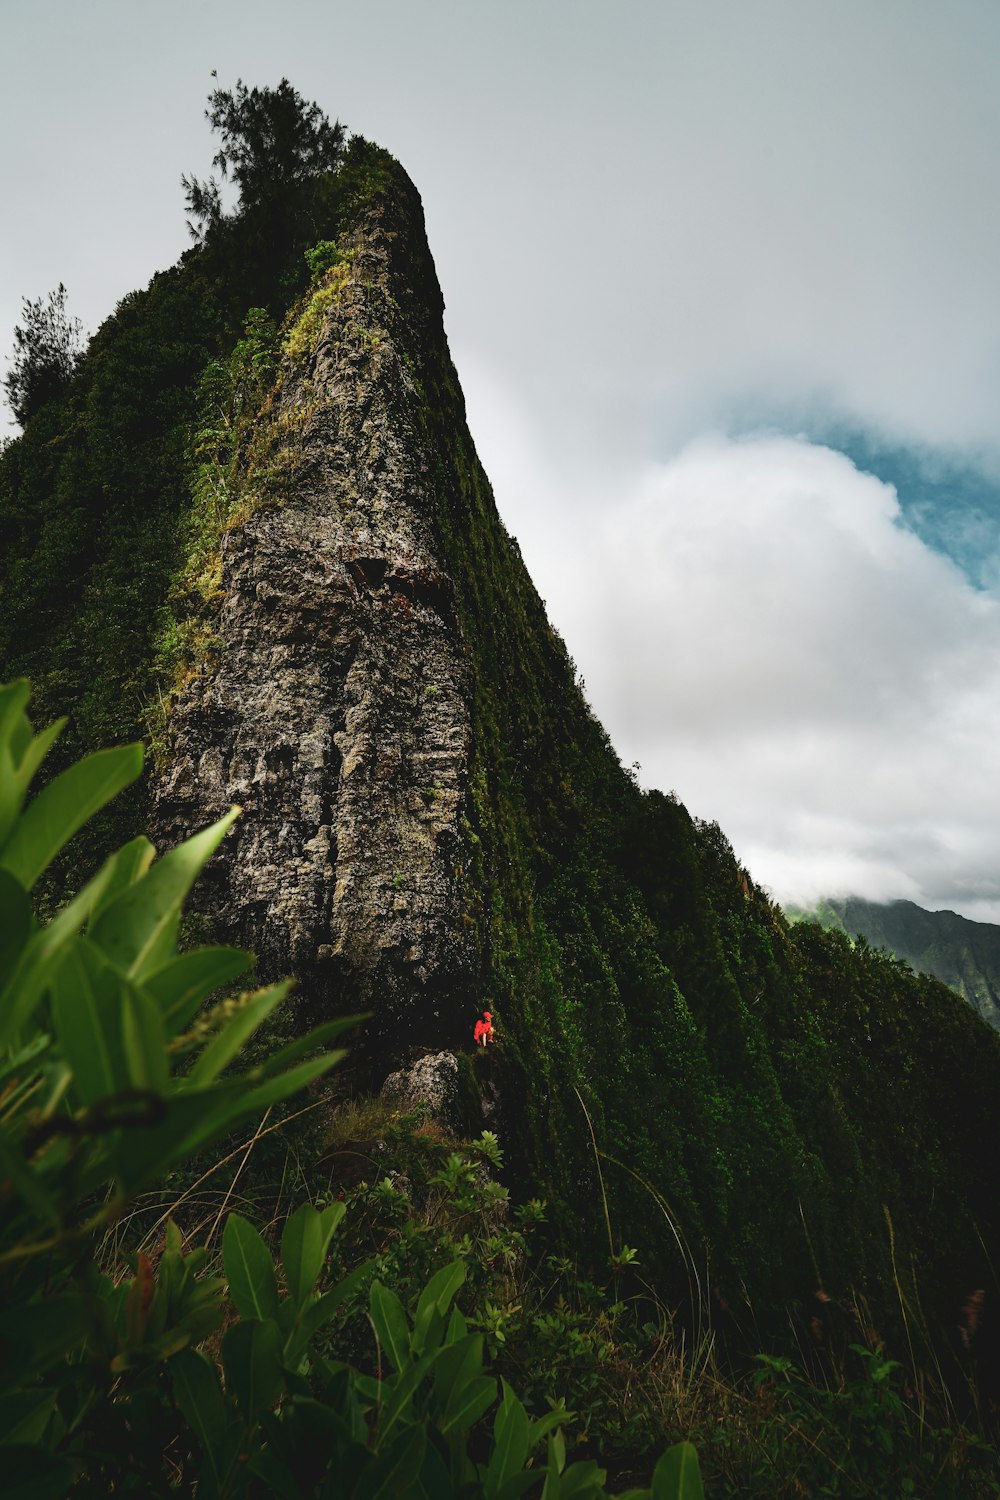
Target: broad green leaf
[
  {"x": 249, "y": 1269},
  {"x": 318, "y": 1037},
  {"x": 319, "y": 1313},
  {"x": 543, "y": 1426},
  {"x": 304, "y": 1243},
  {"x": 110, "y": 1032},
  {"x": 390, "y": 1324},
  {"x": 188, "y": 1124},
  {"x": 400, "y": 1391},
  {"x": 582, "y": 1481},
  {"x": 273, "y": 1089},
  {"x": 17, "y": 772},
  {"x": 130, "y": 864},
  {"x": 27, "y": 1183},
  {"x": 28, "y": 982},
  {"x": 34, "y": 752},
  {"x": 393, "y": 1473},
  {"x": 87, "y": 1015},
  {"x": 510, "y": 1443},
  {"x": 468, "y": 1405},
  {"x": 251, "y": 1359},
  {"x": 24, "y": 1416},
  {"x": 226, "y": 1043},
  {"x": 38, "y": 1335},
  {"x": 183, "y": 984},
  {"x": 17, "y": 923},
  {"x": 62, "y": 807},
  {"x": 25, "y": 1060},
  {"x": 435, "y": 1299},
  {"x": 138, "y": 929},
  {"x": 677, "y": 1476},
  {"x": 198, "y": 1394},
  {"x": 458, "y": 1365}
]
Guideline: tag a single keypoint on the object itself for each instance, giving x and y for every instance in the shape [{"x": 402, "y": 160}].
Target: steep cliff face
[
  {"x": 338, "y": 714},
  {"x": 434, "y": 821}
]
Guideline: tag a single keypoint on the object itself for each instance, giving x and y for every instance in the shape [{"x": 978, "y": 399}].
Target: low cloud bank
[{"x": 759, "y": 629}]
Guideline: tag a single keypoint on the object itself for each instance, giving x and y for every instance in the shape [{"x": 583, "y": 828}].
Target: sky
[{"x": 720, "y": 281}]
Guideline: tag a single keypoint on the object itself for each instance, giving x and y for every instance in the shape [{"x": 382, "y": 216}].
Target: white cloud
[{"x": 757, "y": 628}]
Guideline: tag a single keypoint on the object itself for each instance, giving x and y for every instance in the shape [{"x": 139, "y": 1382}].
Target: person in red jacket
[{"x": 483, "y": 1030}]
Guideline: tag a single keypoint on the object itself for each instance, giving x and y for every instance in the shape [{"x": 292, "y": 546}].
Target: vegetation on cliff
[
  {"x": 776, "y": 1114},
  {"x": 963, "y": 954}
]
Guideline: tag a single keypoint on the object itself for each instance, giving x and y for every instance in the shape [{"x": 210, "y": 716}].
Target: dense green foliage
[
  {"x": 792, "y": 1114},
  {"x": 112, "y": 1074},
  {"x": 963, "y": 954}
]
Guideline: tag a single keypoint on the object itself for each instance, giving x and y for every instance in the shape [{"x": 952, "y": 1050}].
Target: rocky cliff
[
  {"x": 307, "y": 571},
  {"x": 338, "y": 715}
]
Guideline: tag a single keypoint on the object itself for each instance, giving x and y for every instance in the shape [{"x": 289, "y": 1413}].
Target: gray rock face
[
  {"x": 431, "y": 1081},
  {"x": 338, "y": 713}
]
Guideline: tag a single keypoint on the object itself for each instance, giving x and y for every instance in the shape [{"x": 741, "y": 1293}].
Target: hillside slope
[
  {"x": 963, "y": 954},
  {"x": 303, "y": 564}
]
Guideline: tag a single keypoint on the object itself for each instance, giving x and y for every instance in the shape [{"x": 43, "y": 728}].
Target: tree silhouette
[
  {"x": 47, "y": 345},
  {"x": 273, "y": 142}
]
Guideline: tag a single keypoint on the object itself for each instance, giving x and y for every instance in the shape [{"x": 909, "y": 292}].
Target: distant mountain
[{"x": 964, "y": 954}]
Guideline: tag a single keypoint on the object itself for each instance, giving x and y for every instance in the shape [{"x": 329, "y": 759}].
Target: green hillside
[
  {"x": 793, "y": 1110},
  {"x": 963, "y": 954}
]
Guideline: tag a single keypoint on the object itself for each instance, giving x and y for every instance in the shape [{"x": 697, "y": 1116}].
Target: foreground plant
[{"x": 111, "y": 1074}]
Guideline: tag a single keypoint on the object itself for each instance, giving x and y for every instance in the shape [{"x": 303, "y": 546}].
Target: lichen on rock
[{"x": 336, "y": 713}]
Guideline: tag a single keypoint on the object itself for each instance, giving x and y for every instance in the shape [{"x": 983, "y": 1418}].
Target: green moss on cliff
[{"x": 776, "y": 1089}]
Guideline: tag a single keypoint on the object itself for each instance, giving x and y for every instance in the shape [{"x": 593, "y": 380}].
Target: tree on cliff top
[
  {"x": 273, "y": 142},
  {"x": 47, "y": 346}
]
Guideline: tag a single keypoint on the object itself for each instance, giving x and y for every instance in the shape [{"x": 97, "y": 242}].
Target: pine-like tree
[
  {"x": 273, "y": 141},
  {"x": 47, "y": 345}
]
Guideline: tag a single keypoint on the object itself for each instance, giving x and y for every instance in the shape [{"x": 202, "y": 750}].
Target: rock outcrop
[{"x": 337, "y": 714}]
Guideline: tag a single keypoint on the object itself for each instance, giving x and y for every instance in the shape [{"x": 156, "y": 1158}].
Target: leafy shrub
[{"x": 112, "y": 1073}]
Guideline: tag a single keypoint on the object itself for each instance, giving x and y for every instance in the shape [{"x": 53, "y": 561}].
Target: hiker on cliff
[{"x": 483, "y": 1030}]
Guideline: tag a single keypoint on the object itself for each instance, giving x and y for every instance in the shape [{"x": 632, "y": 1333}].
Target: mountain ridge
[
  {"x": 768, "y": 1089},
  {"x": 962, "y": 953}
]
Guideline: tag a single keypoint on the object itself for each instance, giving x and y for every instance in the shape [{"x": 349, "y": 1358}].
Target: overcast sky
[{"x": 721, "y": 285}]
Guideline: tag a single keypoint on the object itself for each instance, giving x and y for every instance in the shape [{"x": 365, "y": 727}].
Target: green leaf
[
  {"x": 17, "y": 923},
  {"x": 390, "y": 1324},
  {"x": 304, "y": 1243},
  {"x": 677, "y": 1475},
  {"x": 319, "y": 1313},
  {"x": 468, "y": 1405},
  {"x": 183, "y": 984},
  {"x": 510, "y": 1443},
  {"x": 38, "y": 1335},
  {"x": 130, "y": 863},
  {"x": 61, "y": 808},
  {"x": 273, "y": 1089},
  {"x": 110, "y": 1032},
  {"x": 318, "y": 1037},
  {"x": 24, "y": 1415},
  {"x": 459, "y": 1364},
  {"x": 138, "y": 929},
  {"x": 197, "y": 1392},
  {"x": 249, "y": 1270},
  {"x": 394, "y": 1471},
  {"x": 251, "y": 1359},
  {"x": 27, "y": 1183},
  {"x": 582, "y": 1481},
  {"x": 226, "y": 1043},
  {"x": 30, "y": 978},
  {"x": 435, "y": 1299}
]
